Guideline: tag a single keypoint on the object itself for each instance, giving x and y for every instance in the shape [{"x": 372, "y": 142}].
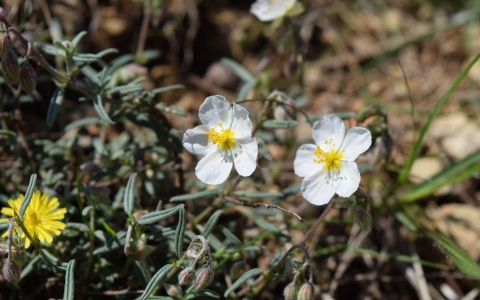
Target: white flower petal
[
  {"x": 214, "y": 168},
  {"x": 242, "y": 126},
  {"x": 268, "y": 10},
  {"x": 304, "y": 164},
  {"x": 357, "y": 141},
  {"x": 246, "y": 159},
  {"x": 328, "y": 127},
  {"x": 350, "y": 179},
  {"x": 317, "y": 189},
  {"x": 196, "y": 140},
  {"x": 216, "y": 109}
]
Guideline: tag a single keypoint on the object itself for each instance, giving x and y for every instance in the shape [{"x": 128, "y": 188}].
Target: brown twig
[
  {"x": 319, "y": 220},
  {"x": 261, "y": 204}
]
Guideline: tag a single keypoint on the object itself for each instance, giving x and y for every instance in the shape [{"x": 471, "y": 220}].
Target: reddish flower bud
[
  {"x": 306, "y": 292},
  {"x": 10, "y": 67},
  {"x": 11, "y": 271},
  {"x": 204, "y": 278},
  {"x": 186, "y": 277},
  {"x": 28, "y": 78},
  {"x": 290, "y": 292}
]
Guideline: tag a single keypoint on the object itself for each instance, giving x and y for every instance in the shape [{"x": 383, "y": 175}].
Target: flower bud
[
  {"x": 172, "y": 290},
  {"x": 204, "y": 278},
  {"x": 10, "y": 67},
  {"x": 139, "y": 249},
  {"x": 11, "y": 271},
  {"x": 290, "y": 292},
  {"x": 264, "y": 159},
  {"x": 306, "y": 291},
  {"x": 28, "y": 78},
  {"x": 186, "y": 277},
  {"x": 20, "y": 258},
  {"x": 363, "y": 219}
]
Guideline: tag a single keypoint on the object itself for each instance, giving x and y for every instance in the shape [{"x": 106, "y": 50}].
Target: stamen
[
  {"x": 224, "y": 138},
  {"x": 331, "y": 160}
]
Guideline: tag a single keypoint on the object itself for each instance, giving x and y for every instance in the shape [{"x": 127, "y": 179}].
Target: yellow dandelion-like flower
[{"x": 42, "y": 219}]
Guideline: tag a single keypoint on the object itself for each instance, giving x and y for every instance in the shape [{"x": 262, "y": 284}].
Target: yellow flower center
[
  {"x": 33, "y": 218},
  {"x": 224, "y": 138},
  {"x": 332, "y": 159}
]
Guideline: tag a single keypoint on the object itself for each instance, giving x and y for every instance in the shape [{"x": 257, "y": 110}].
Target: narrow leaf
[
  {"x": 155, "y": 216},
  {"x": 194, "y": 196},
  {"x": 69, "y": 290},
  {"x": 180, "y": 231},
  {"x": 129, "y": 195},
  {"x": 211, "y": 223},
  {"x": 28, "y": 195},
  {"x": 167, "y": 88},
  {"x": 241, "y": 72},
  {"x": 52, "y": 260},
  {"x": 100, "y": 109},
  {"x": 54, "y": 106},
  {"x": 156, "y": 279},
  {"x": 77, "y": 38},
  {"x": 261, "y": 195},
  {"x": 230, "y": 236},
  {"x": 279, "y": 124},
  {"x": 247, "y": 275}
]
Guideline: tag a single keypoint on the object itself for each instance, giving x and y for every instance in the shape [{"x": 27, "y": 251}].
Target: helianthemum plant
[
  {"x": 224, "y": 139},
  {"x": 329, "y": 166}
]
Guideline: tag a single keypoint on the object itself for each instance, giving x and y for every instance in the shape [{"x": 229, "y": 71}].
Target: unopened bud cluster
[
  {"x": 200, "y": 276},
  {"x": 300, "y": 288},
  {"x": 13, "y": 73},
  {"x": 16, "y": 260}
]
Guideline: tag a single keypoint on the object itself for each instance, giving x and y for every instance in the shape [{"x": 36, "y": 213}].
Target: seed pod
[
  {"x": 10, "y": 67},
  {"x": 290, "y": 292},
  {"x": 11, "y": 271},
  {"x": 306, "y": 292},
  {"x": 204, "y": 278},
  {"x": 28, "y": 78},
  {"x": 186, "y": 277}
]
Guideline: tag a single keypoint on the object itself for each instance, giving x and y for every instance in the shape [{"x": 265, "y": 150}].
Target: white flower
[
  {"x": 328, "y": 166},
  {"x": 268, "y": 10},
  {"x": 224, "y": 140}
]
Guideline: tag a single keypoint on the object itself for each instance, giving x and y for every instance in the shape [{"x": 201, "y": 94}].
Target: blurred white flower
[
  {"x": 328, "y": 166},
  {"x": 224, "y": 140},
  {"x": 268, "y": 10}
]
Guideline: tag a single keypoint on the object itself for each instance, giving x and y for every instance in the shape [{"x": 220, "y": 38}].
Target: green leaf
[
  {"x": 292, "y": 190},
  {"x": 55, "y": 104},
  {"x": 167, "y": 88},
  {"x": 244, "y": 90},
  {"x": 52, "y": 260},
  {"x": 129, "y": 195},
  {"x": 247, "y": 275},
  {"x": 4, "y": 225},
  {"x": 100, "y": 109},
  {"x": 265, "y": 225},
  {"x": 419, "y": 141},
  {"x": 279, "y": 124},
  {"x": 78, "y": 226},
  {"x": 204, "y": 293},
  {"x": 464, "y": 262},
  {"x": 210, "y": 224},
  {"x": 108, "y": 228},
  {"x": 193, "y": 196},
  {"x": 89, "y": 58},
  {"x": 261, "y": 195},
  {"x": 155, "y": 216},
  {"x": 49, "y": 49},
  {"x": 243, "y": 73},
  {"x": 156, "y": 279},
  {"x": 230, "y": 236},
  {"x": 180, "y": 231},
  {"x": 81, "y": 122},
  {"x": 28, "y": 195},
  {"x": 77, "y": 39},
  {"x": 458, "y": 171},
  {"x": 69, "y": 290}
]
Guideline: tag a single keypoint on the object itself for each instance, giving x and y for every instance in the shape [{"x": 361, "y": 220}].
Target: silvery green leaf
[
  {"x": 167, "y": 88},
  {"x": 77, "y": 39},
  {"x": 279, "y": 124},
  {"x": 247, "y": 275},
  {"x": 52, "y": 260},
  {"x": 89, "y": 58},
  {"x": 129, "y": 195},
  {"x": 231, "y": 237},
  {"x": 211, "y": 223},
  {"x": 204, "y": 293},
  {"x": 28, "y": 195},
  {"x": 291, "y": 190},
  {"x": 114, "y": 243},
  {"x": 194, "y": 196},
  {"x": 49, "y": 49},
  {"x": 100, "y": 109},
  {"x": 4, "y": 225},
  {"x": 266, "y": 225},
  {"x": 171, "y": 109},
  {"x": 155, "y": 216},
  {"x": 78, "y": 226},
  {"x": 30, "y": 267},
  {"x": 244, "y": 90},
  {"x": 241, "y": 72},
  {"x": 54, "y": 106},
  {"x": 87, "y": 210},
  {"x": 180, "y": 231},
  {"x": 69, "y": 290},
  {"x": 126, "y": 89},
  {"x": 156, "y": 279}
]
